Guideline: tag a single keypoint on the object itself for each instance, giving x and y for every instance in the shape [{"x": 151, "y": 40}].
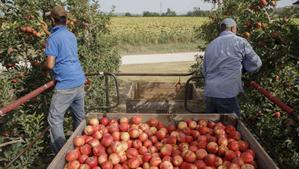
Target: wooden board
[{"x": 262, "y": 158}]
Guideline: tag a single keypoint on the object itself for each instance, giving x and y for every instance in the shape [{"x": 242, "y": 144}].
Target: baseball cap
[
  {"x": 229, "y": 22},
  {"x": 58, "y": 11}
]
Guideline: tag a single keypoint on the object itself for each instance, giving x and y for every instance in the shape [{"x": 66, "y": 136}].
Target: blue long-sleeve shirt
[{"x": 224, "y": 59}]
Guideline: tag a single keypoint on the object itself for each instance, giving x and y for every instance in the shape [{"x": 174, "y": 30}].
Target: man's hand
[{"x": 45, "y": 27}]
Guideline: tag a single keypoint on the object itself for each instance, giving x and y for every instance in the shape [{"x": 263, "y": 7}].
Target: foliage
[
  {"x": 276, "y": 41},
  {"x": 169, "y": 12},
  {"x": 150, "y": 14},
  {"x": 198, "y": 12},
  {"x": 22, "y": 55}
]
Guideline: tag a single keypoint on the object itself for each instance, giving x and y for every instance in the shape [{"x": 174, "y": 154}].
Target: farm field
[{"x": 155, "y": 34}]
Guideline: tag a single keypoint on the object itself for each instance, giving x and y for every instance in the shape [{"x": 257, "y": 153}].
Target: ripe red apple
[
  {"x": 79, "y": 141},
  {"x": 200, "y": 164},
  {"x": 107, "y": 165},
  {"x": 142, "y": 150},
  {"x": 230, "y": 128},
  {"x": 233, "y": 145},
  {"x": 146, "y": 165},
  {"x": 147, "y": 143},
  {"x": 97, "y": 135},
  {"x": 238, "y": 161},
  {"x": 153, "y": 122},
  {"x": 94, "y": 142},
  {"x": 166, "y": 165},
  {"x": 182, "y": 125},
  {"x": 116, "y": 136},
  {"x": 85, "y": 166},
  {"x": 247, "y": 157},
  {"x": 85, "y": 149},
  {"x": 114, "y": 158},
  {"x": 202, "y": 123},
  {"x": 132, "y": 152},
  {"x": 201, "y": 154},
  {"x": 247, "y": 166},
  {"x": 177, "y": 160},
  {"x": 124, "y": 126},
  {"x": 251, "y": 152},
  {"x": 195, "y": 134},
  {"x": 82, "y": 158},
  {"x": 192, "y": 125},
  {"x": 125, "y": 136},
  {"x": 146, "y": 157},
  {"x": 203, "y": 130},
  {"x": 230, "y": 155},
  {"x": 107, "y": 140},
  {"x": 104, "y": 121},
  {"x": 234, "y": 166},
  {"x": 189, "y": 156},
  {"x": 143, "y": 137},
  {"x": 117, "y": 166},
  {"x": 136, "y": 119},
  {"x": 89, "y": 130},
  {"x": 243, "y": 145},
  {"x": 161, "y": 134},
  {"x": 166, "y": 150},
  {"x": 134, "y": 133},
  {"x": 235, "y": 135},
  {"x": 87, "y": 138},
  {"x": 93, "y": 122},
  {"x": 211, "y": 124},
  {"x": 72, "y": 155},
  {"x": 210, "y": 159},
  {"x": 123, "y": 120},
  {"x": 171, "y": 127},
  {"x": 74, "y": 164},
  {"x": 155, "y": 161},
  {"x": 212, "y": 147},
  {"x": 222, "y": 149},
  {"x": 102, "y": 158},
  {"x": 92, "y": 161},
  {"x": 218, "y": 161},
  {"x": 133, "y": 162}
]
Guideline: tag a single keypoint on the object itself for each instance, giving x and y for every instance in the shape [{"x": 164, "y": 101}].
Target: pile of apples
[{"x": 130, "y": 144}]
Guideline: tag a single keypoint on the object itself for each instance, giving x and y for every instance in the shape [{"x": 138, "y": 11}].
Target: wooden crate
[{"x": 262, "y": 158}]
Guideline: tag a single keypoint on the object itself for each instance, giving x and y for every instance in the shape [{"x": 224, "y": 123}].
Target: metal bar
[
  {"x": 107, "y": 92},
  {"x": 186, "y": 94},
  {"x": 26, "y": 98},
  {"x": 30, "y": 145},
  {"x": 272, "y": 98},
  {"x": 144, "y": 74}
]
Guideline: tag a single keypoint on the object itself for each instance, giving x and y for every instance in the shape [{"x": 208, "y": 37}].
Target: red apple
[
  {"x": 192, "y": 125},
  {"x": 94, "y": 142},
  {"x": 107, "y": 140},
  {"x": 72, "y": 155},
  {"x": 89, "y": 130},
  {"x": 114, "y": 158},
  {"x": 74, "y": 164},
  {"x": 82, "y": 158},
  {"x": 134, "y": 133},
  {"x": 123, "y": 120},
  {"x": 125, "y": 136},
  {"x": 84, "y": 166},
  {"x": 97, "y": 135},
  {"x": 104, "y": 121},
  {"x": 143, "y": 137},
  {"x": 155, "y": 161},
  {"x": 166, "y": 165},
  {"x": 134, "y": 162},
  {"x": 200, "y": 164},
  {"x": 247, "y": 157},
  {"x": 230, "y": 155},
  {"x": 132, "y": 152},
  {"x": 136, "y": 119},
  {"x": 177, "y": 160},
  {"x": 92, "y": 161},
  {"x": 79, "y": 141},
  {"x": 201, "y": 154},
  {"x": 85, "y": 149},
  {"x": 243, "y": 145},
  {"x": 93, "y": 122},
  {"x": 247, "y": 166},
  {"x": 212, "y": 147},
  {"x": 102, "y": 158},
  {"x": 233, "y": 145},
  {"x": 146, "y": 157},
  {"x": 189, "y": 156},
  {"x": 234, "y": 166},
  {"x": 182, "y": 125},
  {"x": 124, "y": 126},
  {"x": 107, "y": 165},
  {"x": 210, "y": 159},
  {"x": 153, "y": 122}
]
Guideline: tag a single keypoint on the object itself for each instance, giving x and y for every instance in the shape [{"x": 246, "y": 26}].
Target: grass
[
  {"x": 171, "y": 67},
  {"x": 126, "y": 49}
]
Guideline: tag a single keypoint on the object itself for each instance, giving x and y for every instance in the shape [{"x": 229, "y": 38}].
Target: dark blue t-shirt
[{"x": 62, "y": 44}]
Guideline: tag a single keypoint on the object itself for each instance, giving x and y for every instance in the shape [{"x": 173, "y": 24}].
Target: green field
[{"x": 155, "y": 34}]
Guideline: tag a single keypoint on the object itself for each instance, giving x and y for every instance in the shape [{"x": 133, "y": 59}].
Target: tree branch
[{"x": 12, "y": 142}]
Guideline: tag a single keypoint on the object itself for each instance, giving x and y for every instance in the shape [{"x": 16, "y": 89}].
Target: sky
[{"x": 180, "y": 6}]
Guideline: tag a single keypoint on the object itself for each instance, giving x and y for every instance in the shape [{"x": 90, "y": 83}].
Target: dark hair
[
  {"x": 222, "y": 27},
  {"x": 60, "y": 20}
]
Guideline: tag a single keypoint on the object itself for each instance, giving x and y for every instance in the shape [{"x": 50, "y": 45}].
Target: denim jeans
[
  {"x": 222, "y": 105},
  {"x": 61, "y": 101}
]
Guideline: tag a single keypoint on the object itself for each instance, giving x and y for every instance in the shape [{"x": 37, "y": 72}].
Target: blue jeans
[
  {"x": 222, "y": 105},
  {"x": 61, "y": 101}
]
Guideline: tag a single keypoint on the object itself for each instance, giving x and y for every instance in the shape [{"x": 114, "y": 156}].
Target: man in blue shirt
[
  {"x": 225, "y": 59},
  {"x": 62, "y": 59}
]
